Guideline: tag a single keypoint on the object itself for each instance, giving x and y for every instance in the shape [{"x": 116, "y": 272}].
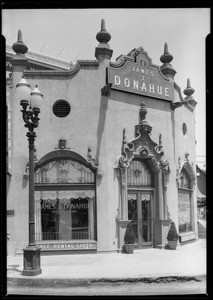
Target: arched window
[
  {"x": 64, "y": 171},
  {"x": 184, "y": 202},
  {"x": 64, "y": 200},
  {"x": 139, "y": 175}
]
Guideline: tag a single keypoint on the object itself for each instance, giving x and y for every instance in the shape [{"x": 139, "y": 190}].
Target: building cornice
[
  {"x": 80, "y": 64},
  {"x": 39, "y": 58}
]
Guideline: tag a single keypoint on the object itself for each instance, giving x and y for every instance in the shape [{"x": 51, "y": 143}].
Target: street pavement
[{"x": 187, "y": 260}]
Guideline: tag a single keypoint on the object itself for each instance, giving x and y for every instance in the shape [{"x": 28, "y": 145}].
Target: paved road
[{"x": 174, "y": 288}]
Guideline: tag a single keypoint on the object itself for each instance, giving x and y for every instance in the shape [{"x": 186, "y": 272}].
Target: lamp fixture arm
[{"x": 30, "y": 118}]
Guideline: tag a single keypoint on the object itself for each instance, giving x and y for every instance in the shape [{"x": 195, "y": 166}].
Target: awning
[
  {"x": 200, "y": 195},
  {"x": 63, "y": 195}
]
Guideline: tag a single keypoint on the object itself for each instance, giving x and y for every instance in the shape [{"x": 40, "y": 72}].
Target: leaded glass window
[
  {"x": 184, "y": 202},
  {"x": 184, "y": 180},
  {"x": 138, "y": 174},
  {"x": 64, "y": 171}
]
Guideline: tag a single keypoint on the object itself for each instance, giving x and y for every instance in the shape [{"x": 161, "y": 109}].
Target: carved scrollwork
[
  {"x": 122, "y": 162},
  {"x": 159, "y": 147},
  {"x": 164, "y": 165},
  {"x": 91, "y": 160},
  {"x": 142, "y": 146},
  {"x": 62, "y": 144},
  {"x": 144, "y": 152}
]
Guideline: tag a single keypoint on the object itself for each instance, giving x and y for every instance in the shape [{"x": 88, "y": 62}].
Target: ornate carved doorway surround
[{"x": 147, "y": 185}]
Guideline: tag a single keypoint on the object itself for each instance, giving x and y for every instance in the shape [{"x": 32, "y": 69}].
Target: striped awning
[{"x": 63, "y": 195}]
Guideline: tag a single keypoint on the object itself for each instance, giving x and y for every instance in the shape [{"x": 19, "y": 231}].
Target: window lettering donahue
[
  {"x": 64, "y": 171},
  {"x": 138, "y": 174}
]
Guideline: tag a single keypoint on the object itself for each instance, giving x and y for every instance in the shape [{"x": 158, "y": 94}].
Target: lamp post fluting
[{"x": 33, "y": 99}]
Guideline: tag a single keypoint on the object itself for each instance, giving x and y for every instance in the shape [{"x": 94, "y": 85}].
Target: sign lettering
[
  {"x": 68, "y": 246},
  {"x": 140, "y": 77}
]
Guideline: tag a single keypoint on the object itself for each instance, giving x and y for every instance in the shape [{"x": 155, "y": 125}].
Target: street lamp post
[{"x": 33, "y": 98}]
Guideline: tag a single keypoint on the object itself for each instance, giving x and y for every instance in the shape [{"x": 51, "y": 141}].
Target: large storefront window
[
  {"x": 64, "y": 171},
  {"x": 65, "y": 202},
  {"x": 184, "y": 202}
]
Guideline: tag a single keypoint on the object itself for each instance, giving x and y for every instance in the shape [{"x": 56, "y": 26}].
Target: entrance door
[{"x": 140, "y": 211}]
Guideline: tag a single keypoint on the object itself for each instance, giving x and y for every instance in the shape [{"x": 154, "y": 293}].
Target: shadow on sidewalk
[{"x": 13, "y": 268}]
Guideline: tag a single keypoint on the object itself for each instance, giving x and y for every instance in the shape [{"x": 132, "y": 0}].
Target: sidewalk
[{"x": 188, "y": 260}]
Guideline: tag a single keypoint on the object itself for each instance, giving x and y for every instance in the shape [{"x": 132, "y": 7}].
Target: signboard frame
[{"x": 136, "y": 74}]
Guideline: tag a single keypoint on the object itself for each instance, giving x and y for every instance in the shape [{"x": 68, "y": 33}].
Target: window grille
[
  {"x": 64, "y": 171},
  {"x": 184, "y": 202},
  {"x": 61, "y": 108},
  {"x": 138, "y": 174}
]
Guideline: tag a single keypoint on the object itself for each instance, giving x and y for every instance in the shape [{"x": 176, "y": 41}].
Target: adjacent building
[
  {"x": 201, "y": 192},
  {"x": 115, "y": 144}
]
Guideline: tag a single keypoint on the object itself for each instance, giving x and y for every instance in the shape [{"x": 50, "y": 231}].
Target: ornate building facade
[{"x": 115, "y": 144}]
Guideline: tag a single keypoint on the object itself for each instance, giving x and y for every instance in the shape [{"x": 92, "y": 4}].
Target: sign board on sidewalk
[{"x": 68, "y": 246}]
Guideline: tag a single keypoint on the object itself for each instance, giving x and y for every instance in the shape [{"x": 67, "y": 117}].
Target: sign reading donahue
[{"x": 136, "y": 74}]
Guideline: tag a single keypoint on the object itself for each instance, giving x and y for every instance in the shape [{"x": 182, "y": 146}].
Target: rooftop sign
[{"x": 135, "y": 74}]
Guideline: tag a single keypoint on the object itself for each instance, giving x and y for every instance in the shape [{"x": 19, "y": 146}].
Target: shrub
[
  {"x": 129, "y": 237},
  {"x": 172, "y": 234}
]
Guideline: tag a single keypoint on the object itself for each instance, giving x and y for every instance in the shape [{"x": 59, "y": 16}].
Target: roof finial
[
  {"x": 124, "y": 136},
  {"x": 103, "y": 36},
  {"x": 103, "y": 25},
  {"x": 166, "y": 57},
  {"x": 143, "y": 124},
  {"x": 166, "y": 48},
  {"x": 188, "y": 90},
  {"x": 188, "y": 83},
  {"x": 167, "y": 69},
  {"x": 143, "y": 111},
  {"x": 103, "y": 50},
  {"x": 19, "y": 47},
  {"x": 19, "y": 36}
]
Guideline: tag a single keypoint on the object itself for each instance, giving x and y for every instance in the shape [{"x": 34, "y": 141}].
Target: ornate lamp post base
[{"x": 31, "y": 261}]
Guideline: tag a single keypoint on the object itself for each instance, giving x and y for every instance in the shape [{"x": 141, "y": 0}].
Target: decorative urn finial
[
  {"x": 103, "y": 36},
  {"x": 166, "y": 57},
  {"x": 103, "y": 28},
  {"x": 19, "y": 36},
  {"x": 143, "y": 124},
  {"x": 167, "y": 69},
  {"x": 143, "y": 112},
  {"x": 124, "y": 136},
  {"x": 188, "y": 90},
  {"x": 19, "y": 47}
]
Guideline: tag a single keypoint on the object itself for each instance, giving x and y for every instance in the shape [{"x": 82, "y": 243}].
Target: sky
[{"x": 70, "y": 34}]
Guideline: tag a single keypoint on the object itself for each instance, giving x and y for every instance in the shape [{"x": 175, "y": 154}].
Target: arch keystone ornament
[{"x": 143, "y": 148}]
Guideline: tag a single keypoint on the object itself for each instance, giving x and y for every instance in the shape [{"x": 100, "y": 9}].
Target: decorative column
[
  {"x": 160, "y": 194},
  {"x": 165, "y": 173},
  {"x": 123, "y": 180}
]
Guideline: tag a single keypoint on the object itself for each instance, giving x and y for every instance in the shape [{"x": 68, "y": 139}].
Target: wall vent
[{"x": 61, "y": 108}]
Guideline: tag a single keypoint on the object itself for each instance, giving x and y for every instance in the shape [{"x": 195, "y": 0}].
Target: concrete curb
[{"x": 69, "y": 282}]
